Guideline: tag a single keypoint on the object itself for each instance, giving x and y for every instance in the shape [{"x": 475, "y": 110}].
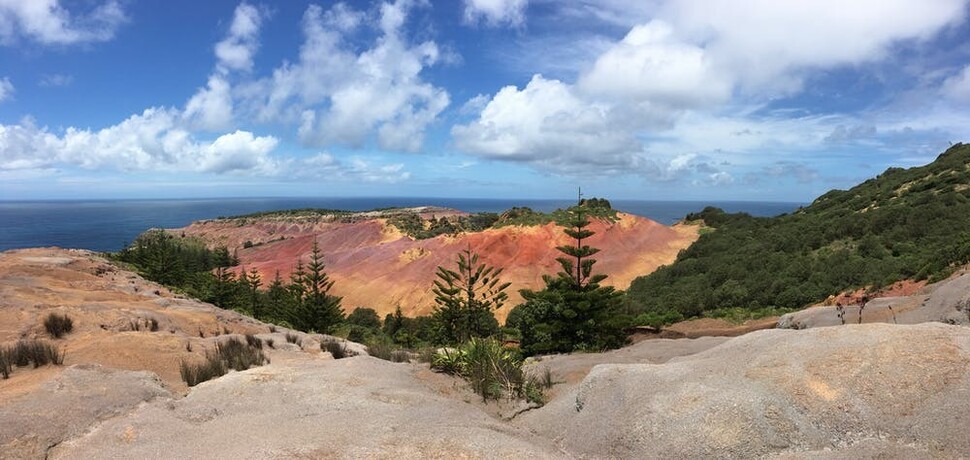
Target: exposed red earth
[{"x": 375, "y": 265}]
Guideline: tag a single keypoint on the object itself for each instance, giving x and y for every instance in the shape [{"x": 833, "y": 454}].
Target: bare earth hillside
[
  {"x": 376, "y": 266},
  {"x": 857, "y": 391}
]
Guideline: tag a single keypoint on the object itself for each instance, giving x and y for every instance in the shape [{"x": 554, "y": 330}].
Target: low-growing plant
[
  {"x": 254, "y": 341},
  {"x": 231, "y": 354},
  {"x": 58, "y": 325},
  {"x": 29, "y": 352},
  {"x": 493, "y": 370},
  {"x": 293, "y": 338},
  {"x": 337, "y": 349},
  {"x": 271, "y": 343}
]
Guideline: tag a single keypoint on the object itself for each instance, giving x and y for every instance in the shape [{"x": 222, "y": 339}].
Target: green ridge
[{"x": 904, "y": 224}]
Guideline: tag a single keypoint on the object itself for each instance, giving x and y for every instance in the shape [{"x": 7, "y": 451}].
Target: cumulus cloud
[
  {"x": 548, "y": 125},
  {"x": 691, "y": 77},
  {"x": 236, "y": 51},
  {"x": 49, "y": 23},
  {"x": 339, "y": 95},
  {"x": 211, "y": 107},
  {"x": 6, "y": 89},
  {"x": 768, "y": 46},
  {"x": 495, "y": 12},
  {"x": 155, "y": 141},
  {"x": 150, "y": 141},
  {"x": 649, "y": 64}
]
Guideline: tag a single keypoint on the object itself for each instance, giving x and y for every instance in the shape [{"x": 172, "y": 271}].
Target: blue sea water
[{"x": 107, "y": 225}]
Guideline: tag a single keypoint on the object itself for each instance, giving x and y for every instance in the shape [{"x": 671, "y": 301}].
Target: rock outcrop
[{"x": 837, "y": 391}]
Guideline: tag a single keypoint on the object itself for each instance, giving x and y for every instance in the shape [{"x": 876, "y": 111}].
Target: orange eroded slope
[{"x": 376, "y": 266}]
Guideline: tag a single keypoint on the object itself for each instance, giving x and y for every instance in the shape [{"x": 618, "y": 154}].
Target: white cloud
[
  {"x": 6, "y": 89},
  {"x": 47, "y": 22},
  {"x": 211, "y": 107},
  {"x": 150, "y": 141},
  {"x": 548, "y": 125},
  {"x": 957, "y": 87},
  {"x": 650, "y": 65},
  {"x": 691, "y": 78},
  {"x": 768, "y": 46},
  {"x": 496, "y": 12},
  {"x": 154, "y": 141},
  {"x": 338, "y": 95},
  {"x": 236, "y": 51}
]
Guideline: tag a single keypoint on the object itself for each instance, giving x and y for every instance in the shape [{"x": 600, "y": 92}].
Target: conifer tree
[
  {"x": 466, "y": 299},
  {"x": 316, "y": 310},
  {"x": 253, "y": 282},
  {"x": 573, "y": 311}
]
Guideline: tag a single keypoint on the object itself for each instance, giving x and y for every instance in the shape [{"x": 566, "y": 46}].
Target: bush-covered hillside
[{"x": 904, "y": 224}]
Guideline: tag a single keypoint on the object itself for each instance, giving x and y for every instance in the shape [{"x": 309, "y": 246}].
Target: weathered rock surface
[
  {"x": 374, "y": 265},
  {"x": 838, "y": 391},
  {"x": 69, "y": 404},
  {"x": 947, "y": 301},
  {"x": 303, "y": 407}
]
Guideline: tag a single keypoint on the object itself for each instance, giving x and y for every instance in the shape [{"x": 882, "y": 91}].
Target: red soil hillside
[{"x": 374, "y": 265}]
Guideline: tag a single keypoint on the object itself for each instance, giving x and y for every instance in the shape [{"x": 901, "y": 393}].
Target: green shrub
[
  {"x": 658, "y": 320},
  {"x": 231, "y": 354},
  {"x": 493, "y": 370},
  {"x": 58, "y": 325}
]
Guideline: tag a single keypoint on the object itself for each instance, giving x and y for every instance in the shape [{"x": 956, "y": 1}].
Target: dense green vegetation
[{"x": 904, "y": 224}]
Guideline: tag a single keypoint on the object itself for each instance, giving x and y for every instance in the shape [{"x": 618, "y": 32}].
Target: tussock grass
[
  {"x": 231, "y": 354},
  {"x": 58, "y": 325},
  {"x": 337, "y": 349},
  {"x": 388, "y": 352},
  {"x": 28, "y": 352},
  {"x": 293, "y": 338}
]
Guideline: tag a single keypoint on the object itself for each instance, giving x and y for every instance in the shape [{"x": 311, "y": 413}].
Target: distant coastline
[{"x": 106, "y": 225}]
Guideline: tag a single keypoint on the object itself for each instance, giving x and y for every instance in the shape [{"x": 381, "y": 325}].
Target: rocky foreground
[{"x": 854, "y": 391}]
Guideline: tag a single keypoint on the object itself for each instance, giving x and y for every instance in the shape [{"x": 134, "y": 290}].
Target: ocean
[{"x": 108, "y": 225}]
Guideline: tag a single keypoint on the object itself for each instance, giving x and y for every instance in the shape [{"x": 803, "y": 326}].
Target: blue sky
[{"x": 631, "y": 99}]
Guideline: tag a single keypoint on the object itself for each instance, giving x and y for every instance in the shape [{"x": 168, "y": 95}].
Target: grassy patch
[
  {"x": 388, "y": 352},
  {"x": 336, "y": 348},
  {"x": 231, "y": 354},
  {"x": 28, "y": 352},
  {"x": 58, "y": 325}
]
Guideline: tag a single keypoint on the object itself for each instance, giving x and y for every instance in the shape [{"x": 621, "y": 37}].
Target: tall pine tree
[
  {"x": 315, "y": 308},
  {"x": 573, "y": 311}
]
